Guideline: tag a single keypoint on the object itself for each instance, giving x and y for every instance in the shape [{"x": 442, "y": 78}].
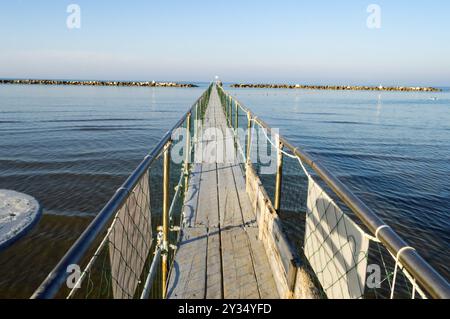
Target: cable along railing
[
  {"x": 127, "y": 250},
  {"x": 346, "y": 250}
]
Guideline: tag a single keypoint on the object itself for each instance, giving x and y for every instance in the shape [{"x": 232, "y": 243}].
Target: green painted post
[
  {"x": 236, "y": 122},
  {"x": 231, "y": 113}
]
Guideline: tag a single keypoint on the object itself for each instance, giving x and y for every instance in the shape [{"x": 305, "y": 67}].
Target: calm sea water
[{"x": 71, "y": 147}]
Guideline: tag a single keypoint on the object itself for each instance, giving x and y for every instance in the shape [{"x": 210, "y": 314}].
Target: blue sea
[{"x": 72, "y": 147}]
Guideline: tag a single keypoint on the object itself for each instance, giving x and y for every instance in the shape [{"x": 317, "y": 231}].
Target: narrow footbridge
[
  {"x": 219, "y": 254},
  {"x": 225, "y": 208}
]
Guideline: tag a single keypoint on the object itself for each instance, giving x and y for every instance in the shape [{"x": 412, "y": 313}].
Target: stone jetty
[
  {"x": 337, "y": 87},
  {"x": 99, "y": 83}
]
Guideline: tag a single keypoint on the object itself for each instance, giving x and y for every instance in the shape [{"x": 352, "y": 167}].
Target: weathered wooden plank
[
  {"x": 188, "y": 275},
  {"x": 263, "y": 272},
  {"x": 191, "y": 199},
  {"x": 200, "y": 147},
  {"x": 229, "y": 155},
  {"x": 209, "y": 145},
  {"x": 239, "y": 280},
  {"x": 207, "y": 209},
  {"x": 214, "y": 266},
  {"x": 248, "y": 212},
  {"x": 229, "y": 207}
]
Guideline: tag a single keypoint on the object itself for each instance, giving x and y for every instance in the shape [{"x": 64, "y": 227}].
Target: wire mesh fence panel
[
  {"x": 387, "y": 278},
  {"x": 335, "y": 247},
  {"x": 115, "y": 269},
  {"x": 130, "y": 241},
  {"x": 294, "y": 194}
]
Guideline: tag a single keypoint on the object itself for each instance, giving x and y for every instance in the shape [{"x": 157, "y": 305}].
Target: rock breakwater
[
  {"x": 99, "y": 83},
  {"x": 337, "y": 87}
]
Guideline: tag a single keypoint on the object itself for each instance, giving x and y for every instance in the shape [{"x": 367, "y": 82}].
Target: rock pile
[
  {"x": 337, "y": 87},
  {"x": 98, "y": 83}
]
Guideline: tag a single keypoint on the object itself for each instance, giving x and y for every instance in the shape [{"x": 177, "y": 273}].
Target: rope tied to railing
[
  {"x": 397, "y": 263},
  {"x": 379, "y": 229},
  {"x": 277, "y": 147}
]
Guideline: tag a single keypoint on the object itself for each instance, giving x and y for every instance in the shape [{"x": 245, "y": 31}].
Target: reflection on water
[{"x": 72, "y": 147}]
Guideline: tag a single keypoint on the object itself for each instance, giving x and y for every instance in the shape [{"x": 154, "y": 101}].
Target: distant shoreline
[
  {"x": 336, "y": 87},
  {"x": 98, "y": 83}
]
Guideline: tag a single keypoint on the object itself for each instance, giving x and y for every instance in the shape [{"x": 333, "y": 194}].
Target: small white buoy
[{"x": 18, "y": 213}]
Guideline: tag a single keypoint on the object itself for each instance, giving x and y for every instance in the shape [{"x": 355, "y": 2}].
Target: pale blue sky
[{"x": 320, "y": 41}]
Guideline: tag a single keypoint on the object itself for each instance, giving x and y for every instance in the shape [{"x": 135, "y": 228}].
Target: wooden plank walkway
[{"x": 219, "y": 256}]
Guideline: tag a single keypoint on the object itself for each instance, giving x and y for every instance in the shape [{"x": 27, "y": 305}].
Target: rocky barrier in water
[
  {"x": 337, "y": 87},
  {"x": 99, "y": 83}
]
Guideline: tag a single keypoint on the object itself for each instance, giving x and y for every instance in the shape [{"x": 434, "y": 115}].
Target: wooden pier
[
  {"x": 219, "y": 255},
  {"x": 220, "y": 235}
]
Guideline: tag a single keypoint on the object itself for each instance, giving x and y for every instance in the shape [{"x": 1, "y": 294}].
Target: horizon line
[{"x": 254, "y": 82}]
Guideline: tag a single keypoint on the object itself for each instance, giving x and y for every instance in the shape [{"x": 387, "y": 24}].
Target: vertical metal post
[
  {"x": 228, "y": 109},
  {"x": 236, "y": 122},
  {"x": 203, "y": 106},
  {"x": 231, "y": 112},
  {"x": 200, "y": 120},
  {"x": 196, "y": 124},
  {"x": 249, "y": 136},
  {"x": 279, "y": 178},
  {"x": 188, "y": 152},
  {"x": 226, "y": 106},
  {"x": 166, "y": 180}
]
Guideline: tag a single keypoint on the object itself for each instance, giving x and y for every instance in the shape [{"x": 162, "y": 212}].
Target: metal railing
[
  {"x": 424, "y": 279},
  {"x": 126, "y": 251}
]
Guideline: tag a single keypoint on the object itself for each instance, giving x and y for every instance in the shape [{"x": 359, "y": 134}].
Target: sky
[{"x": 307, "y": 42}]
